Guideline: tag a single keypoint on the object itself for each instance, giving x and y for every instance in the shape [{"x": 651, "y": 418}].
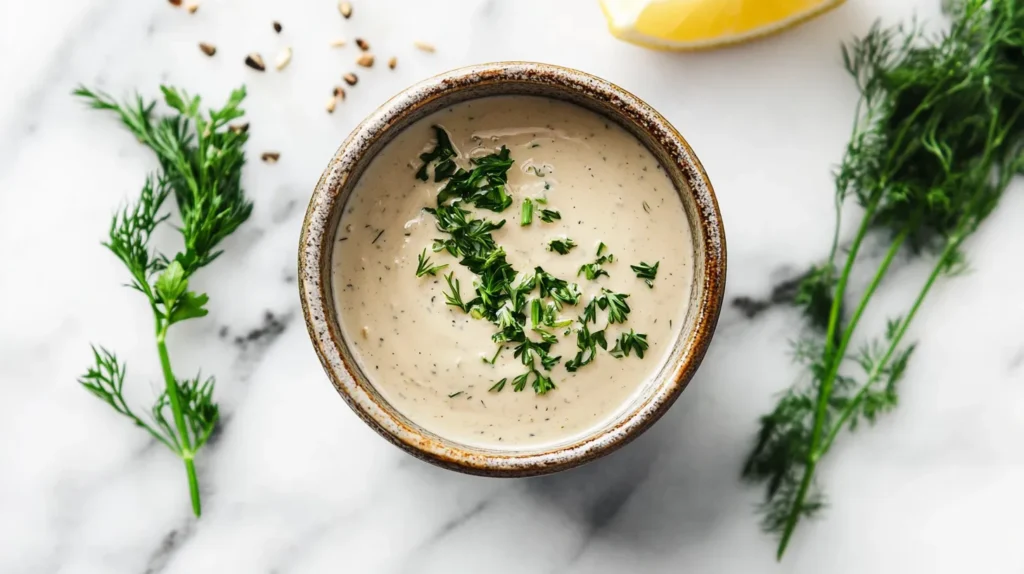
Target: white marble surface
[{"x": 295, "y": 483}]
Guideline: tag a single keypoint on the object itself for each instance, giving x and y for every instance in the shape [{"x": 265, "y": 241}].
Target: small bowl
[{"x": 509, "y": 78}]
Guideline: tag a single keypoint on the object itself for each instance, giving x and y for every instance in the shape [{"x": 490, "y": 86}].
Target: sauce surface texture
[{"x": 426, "y": 357}]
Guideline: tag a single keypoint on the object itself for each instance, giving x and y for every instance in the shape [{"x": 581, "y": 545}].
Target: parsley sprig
[{"x": 201, "y": 161}]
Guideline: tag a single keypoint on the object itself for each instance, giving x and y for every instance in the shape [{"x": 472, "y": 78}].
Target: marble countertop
[{"x": 296, "y": 483}]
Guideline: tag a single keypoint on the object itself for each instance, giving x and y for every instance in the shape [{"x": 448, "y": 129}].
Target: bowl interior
[{"x": 338, "y": 181}]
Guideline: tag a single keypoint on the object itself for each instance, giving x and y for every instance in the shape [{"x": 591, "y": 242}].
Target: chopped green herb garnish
[
  {"x": 425, "y": 268},
  {"x": 646, "y": 272},
  {"x": 548, "y": 216},
  {"x": 495, "y": 357},
  {"x": 501, "y": 295},
  {"x": 594, "y": 270},
  {"x": 443, "y": 153},
  {"x": 630, "y": 341},
  {"x": 455, "y": 297},
  {"x": 591, "y": 271},
  {"x": 558, "y": 289},
  {"x": 527, "y": 217},
  {"x": 519, "y": 383},
  {"x": 455, "y": 394},
  {"x": 647, "y": 208},
  {"x": 483, "y": 185},
  {"x": 616, "y": 305},
  {"x": 587, "y": 343},
  {"x": 562, "y": 246}
]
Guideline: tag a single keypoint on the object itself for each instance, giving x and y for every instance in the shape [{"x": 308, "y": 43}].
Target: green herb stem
[
  {"x": 879, "y": 368},
  {"x": 171, "y": 385},
  {"x": 835, "y": 360}
]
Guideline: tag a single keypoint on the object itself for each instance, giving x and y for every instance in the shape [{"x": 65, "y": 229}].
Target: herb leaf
[
  {"x": 646, "y": 272},
  {"x": 561, "y": 246},
  {"x": 443, "y": 153},
  {"x": 631, "y": 341},
  {"x": 483, "y": 185},
  {"x": 616, "y": 305},
  {"x": 455, "y": 297},
  {"x": 549, "y": 216},
  {"x": 425, "y": 268}
]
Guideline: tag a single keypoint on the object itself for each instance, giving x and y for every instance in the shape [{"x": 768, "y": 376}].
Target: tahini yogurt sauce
[{"x": 424, "y": 356}]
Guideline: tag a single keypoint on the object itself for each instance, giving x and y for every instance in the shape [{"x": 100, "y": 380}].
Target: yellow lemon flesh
[{"x": 696, "y": 24}]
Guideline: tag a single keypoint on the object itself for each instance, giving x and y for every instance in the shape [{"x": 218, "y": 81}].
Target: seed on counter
[
  {"x": 339, "y": 92},
  {"x": 345, "y": 8},
  {"x": 283, "y": 59},
  {"x": 192, "y": 7},
  {"x": 277, "y": 26},
  {"x": 271, "y": 156},
  {"x": 363, "y": 44},
  {"x": 174, "y": 2},
  {"x": 424, "y": 46},
  {"x": 331, "y": 103},
  {"x": 238, "y": 128},
  {"x": 366, "y": 60},
  {"x": 350, "y": 79},
  {"x": 255, "y": 61},
  {"x": 337, "y": 42},
  {"x": 208, "y": 49},
  {"x": 392, "y": 62}
]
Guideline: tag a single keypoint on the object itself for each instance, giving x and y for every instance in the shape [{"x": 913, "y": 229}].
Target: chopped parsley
[
  {"x": 630, "y": 341},
  {"x": 549, "y": 216},
  {"x": 425, "y": 268},
  {"x": 524, "y": 307},
  {"x": 646, "y": 272},
  {"x": 527, "y": 216},
  {"x": 443, "y": 153},
  {"x": 561, "y": 246}
]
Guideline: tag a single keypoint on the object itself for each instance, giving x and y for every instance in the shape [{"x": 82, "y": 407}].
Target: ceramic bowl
[{"x": 508, "y": 78}]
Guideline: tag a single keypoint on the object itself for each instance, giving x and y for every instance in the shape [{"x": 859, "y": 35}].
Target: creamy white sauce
[{"x": 416, "y": 350}]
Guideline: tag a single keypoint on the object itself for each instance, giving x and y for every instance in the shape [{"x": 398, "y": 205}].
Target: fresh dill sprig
[
  {"x": 425, "y": 268},
  {"x": 201, "y": 161},
  {"x": 937, "y": 137},
  {"x": 646, "y": 272}
]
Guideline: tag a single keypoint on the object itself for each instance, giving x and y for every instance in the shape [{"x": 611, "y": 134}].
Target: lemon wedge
[{"x": 697, "y": 24}]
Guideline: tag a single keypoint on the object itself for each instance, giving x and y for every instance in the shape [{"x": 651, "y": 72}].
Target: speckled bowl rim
[{"x": 317, "y": 241}]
